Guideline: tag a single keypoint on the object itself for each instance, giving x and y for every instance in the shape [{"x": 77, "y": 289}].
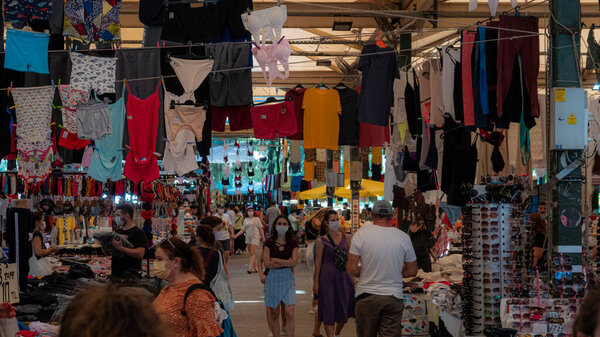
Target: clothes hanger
[
  {"x": 341, "y": 85},
  {"x": 379, "y": 42},
  {"x": 299, "y": 86},
  {"x": 271, "y": 99}
]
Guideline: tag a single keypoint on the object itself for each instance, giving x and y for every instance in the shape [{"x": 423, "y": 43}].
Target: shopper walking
[
  {"x": 130, "y": 260},
  {"x": 386, "y": 256},
  {"x": 225, "y": 232},
  {"x": 211, "y": 257},
  {"x": 332, "y": 283},
  {"x": 182, "y": 266},
  {"x": 346, "y": 213},
  {"x": 254, "y": 237},
  {"x": 271, "y": 214},
  {"x": 280, "y": 256},
  {"x": 239, "y": 243}
]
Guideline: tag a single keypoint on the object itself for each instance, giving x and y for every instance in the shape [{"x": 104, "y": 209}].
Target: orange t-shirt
[
  {"x": 321, "y": 118},
  {"x": 200, "y": 320}
]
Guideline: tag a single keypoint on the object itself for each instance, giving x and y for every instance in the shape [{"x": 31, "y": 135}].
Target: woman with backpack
[
  {"x": 280, "y": 255},
  {"x": 332, "y": 283},
  {"x": 186, "y": 306}
]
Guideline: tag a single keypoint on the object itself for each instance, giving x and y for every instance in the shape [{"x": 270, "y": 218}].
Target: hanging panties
[
  {"x": 191, "y": 73},
  {"x": 70, "y": 98},
  {"x": 91, "y": 72},
  {"x": 93, "y": 120},
  {"x": 274, "y": 120},
  {"x": 183, "y": 126},
  {"x": 71, "y": 141},
  {"x": 26, "y": 51}
]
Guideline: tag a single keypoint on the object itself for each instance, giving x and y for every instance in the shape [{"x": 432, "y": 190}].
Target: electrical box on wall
[{"x": 568, "y": 106}]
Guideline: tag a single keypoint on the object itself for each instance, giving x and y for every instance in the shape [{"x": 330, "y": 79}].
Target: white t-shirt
[
  {"x": 231, "y": 215},
  {"x": 383, "y": 251},
  {"x": 223, "y": 234},
  {"x": 252, "y": 228}
]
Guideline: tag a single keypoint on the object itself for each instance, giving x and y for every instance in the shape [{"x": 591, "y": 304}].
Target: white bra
[{"x": 269, "y": 20}]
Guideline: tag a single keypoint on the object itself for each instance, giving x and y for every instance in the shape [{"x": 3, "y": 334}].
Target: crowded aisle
[{"x": 325, "y": 168}]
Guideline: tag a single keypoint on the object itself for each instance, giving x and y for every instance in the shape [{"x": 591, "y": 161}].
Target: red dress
[{"x": 142, "y": 123}]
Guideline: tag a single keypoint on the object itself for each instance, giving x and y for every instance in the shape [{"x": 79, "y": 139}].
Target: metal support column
[
  {"x": 565, "y": 29},
  {"x": 329, "y": 182}
]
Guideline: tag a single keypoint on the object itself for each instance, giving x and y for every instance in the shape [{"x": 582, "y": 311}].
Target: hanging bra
[
  {"x": 268, "y": 56},
  {"x": 269, "y": 20}
]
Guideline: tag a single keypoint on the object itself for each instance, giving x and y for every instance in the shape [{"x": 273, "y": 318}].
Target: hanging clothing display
[
  {"x": 238, "y": 116},
  {"x": 269, "y": 21},
  {"x": 191, "y": 73},
  {"x": 21, "y": 12},
  {"x": 34, "y": 144},
  {"x": 186, "y": 24},
  {"x": 107, "y": 161},
  {"x": 450, "y": 59},
  {"x": 70, "y": 98},
  {"x": 269, "y": 56},
  {"x": 184, "y": 127},
  {"x": 349, "y": 127},
  {"x": 274, "y": 120},
  {"x": 93, "y": 120},
  {"x": 468, "y": 43},
  {"x": 436, "y": 108},
  {"x": 296, "y": 94},
  {"x": 26, "y": 51},
  {"x": 379, "y": 69},
  {"x": 6, "y": 125},
  {"x": 321, "y": 122},
  {"x": 92, "y": 20},
  {"x": 142, "y": 120},
  {"x": 512, "y": 44},
  {"x": 91, "y": 72},
  {"x": 459, "y": 162},
  {"x": 227, "y": 87},
  {"x": 412, "y": 104}
]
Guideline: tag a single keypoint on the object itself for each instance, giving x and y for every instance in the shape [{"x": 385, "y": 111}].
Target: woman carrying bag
[
  {"x": 332, "y": 283},
  {"x": 39, "y": 265}
]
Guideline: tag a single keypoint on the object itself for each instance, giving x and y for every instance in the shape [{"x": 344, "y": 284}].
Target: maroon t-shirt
[
  {"x": 281, "y": 252},
  {"x": 297, "y": 94}
]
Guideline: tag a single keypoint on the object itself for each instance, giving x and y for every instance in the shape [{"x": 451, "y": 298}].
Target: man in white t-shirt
[
  {"x": 229, "y": 211},
  {"x": 386, "y": 255}
]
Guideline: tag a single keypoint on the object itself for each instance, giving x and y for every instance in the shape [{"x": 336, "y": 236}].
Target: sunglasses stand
[{"x": 493, "y": 261}]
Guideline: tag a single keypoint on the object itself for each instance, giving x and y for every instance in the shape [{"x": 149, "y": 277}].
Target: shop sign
[{"x": 9, "y": 283}]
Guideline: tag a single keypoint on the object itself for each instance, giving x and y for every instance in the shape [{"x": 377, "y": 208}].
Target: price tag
[{"x": 9, "y": 283}]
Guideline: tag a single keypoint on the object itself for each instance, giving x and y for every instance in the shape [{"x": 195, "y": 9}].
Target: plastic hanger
[
  {"x": 341, "y": 85},
  {"x": 271, "y": 99},
  {"x": 379, "y": 42}
]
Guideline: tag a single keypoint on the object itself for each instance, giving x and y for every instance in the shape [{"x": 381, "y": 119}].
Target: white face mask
[
  {"x": 281, "y": 230},
  {"x": 119, "y": 221},
  {"x": 250, "y": 213},
  {"x": 43, "y": 226},
  {"x": 334, "y": 225}
]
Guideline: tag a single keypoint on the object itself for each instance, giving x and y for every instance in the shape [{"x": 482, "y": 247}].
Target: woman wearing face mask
[
  {"x": 254, "y": 236},
  {"x": 37, "y": 265},
  {"x": 333, "y": 285},
  {"x": 182, "y": 266},
  {"x": 280, "y": 255}
]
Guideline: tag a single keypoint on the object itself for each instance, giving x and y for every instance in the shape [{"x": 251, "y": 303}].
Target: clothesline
[{"x": 312, "y": 61}]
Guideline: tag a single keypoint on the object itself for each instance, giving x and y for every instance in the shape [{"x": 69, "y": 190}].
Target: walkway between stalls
[{"x": 249, "y": 318}]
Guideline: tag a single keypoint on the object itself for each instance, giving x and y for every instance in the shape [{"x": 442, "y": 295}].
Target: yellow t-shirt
[{"x": 321, "y": 122}]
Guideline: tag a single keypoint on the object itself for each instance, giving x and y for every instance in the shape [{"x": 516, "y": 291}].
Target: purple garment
[{"x": 336, "y": 290}]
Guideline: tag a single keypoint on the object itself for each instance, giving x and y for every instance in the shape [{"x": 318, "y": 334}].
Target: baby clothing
[
  {"x": 91, "y": 72},
  {"x": 70, "y": 98}
]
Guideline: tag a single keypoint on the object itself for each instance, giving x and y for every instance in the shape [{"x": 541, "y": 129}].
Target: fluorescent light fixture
[
  {"x": 342, "y": 25},
  {"x": 324, "y": 63}
]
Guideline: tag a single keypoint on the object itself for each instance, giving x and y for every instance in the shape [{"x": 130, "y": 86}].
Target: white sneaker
[
  {"x": 313, "y": 310},
  {"x": 270, "y": 334}
]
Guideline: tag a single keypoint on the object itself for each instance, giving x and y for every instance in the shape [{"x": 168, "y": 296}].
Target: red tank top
[{"x": 142, "y": 123}]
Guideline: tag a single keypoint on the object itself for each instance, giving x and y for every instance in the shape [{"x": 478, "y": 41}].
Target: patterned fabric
[
  {"x": 34, "y": 145},
  {"x": 280, "y": 286},
  {"x": 310, "y": 154},
  {"x": 93, "y": 20},
  {"x": 200, "y": 319},
  {"x": 70, "y": 99},
  {"x": 20, "y": 12},
  {"x": 91, "y": 72},
  {"x": 320, "y": 171}
]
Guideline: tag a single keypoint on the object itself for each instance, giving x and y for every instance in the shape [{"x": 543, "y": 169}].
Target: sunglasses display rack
[{"x": 492, "y": 260}]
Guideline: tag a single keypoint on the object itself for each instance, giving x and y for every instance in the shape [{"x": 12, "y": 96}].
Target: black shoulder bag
[{"x": 340, "y": 255}]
